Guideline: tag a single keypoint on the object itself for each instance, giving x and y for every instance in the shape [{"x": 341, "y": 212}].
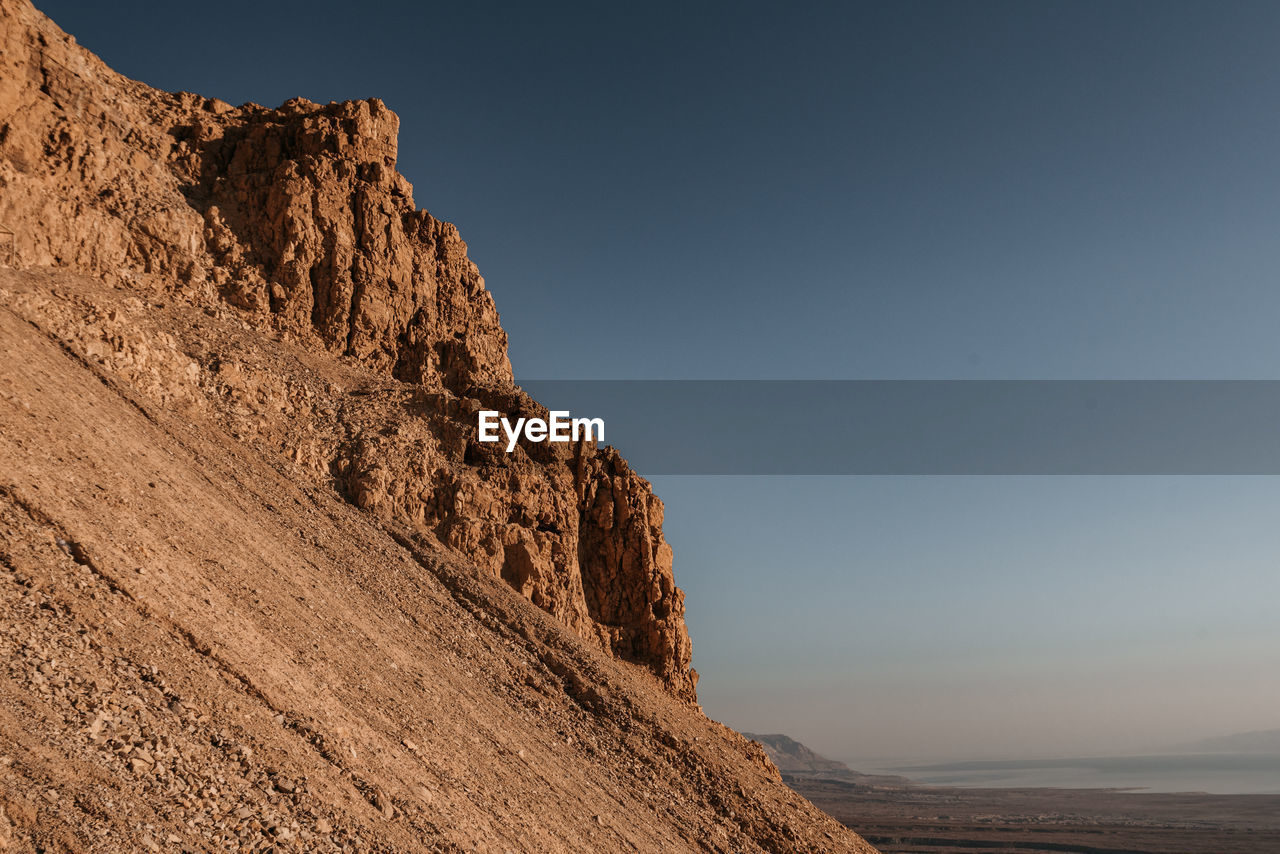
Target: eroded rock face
[
  {"x": 294, "y": 222},
  {"x": 295, "y": 215},
  {"x": 572, "y": 528},
  {"x": 307, "y": 219}
]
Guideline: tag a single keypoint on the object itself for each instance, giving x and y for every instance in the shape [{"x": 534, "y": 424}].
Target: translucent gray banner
[{"x": 879, "y": 427}]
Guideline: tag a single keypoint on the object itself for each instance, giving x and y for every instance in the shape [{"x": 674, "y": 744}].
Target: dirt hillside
[{"x": 260, "y": 588}]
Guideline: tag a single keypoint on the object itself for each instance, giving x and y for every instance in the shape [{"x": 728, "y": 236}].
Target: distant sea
[{"x": 1216, "y": 773}]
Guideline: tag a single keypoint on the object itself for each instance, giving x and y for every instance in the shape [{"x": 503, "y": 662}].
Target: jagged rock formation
[
  {"x": 295, "y": 214},
  {"x": 295, "y": 221},
  {"x": 260, "y": 588}
]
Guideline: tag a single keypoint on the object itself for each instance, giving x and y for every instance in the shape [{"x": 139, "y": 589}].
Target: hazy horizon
[
  {"x": 1031, "y": 617},
  {"x": 915, "y": 190}
]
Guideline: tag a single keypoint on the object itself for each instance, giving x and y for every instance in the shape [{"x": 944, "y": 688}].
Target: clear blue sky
[{"x": 897, "y": 190}]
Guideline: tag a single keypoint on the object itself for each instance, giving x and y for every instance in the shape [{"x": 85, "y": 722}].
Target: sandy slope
[{"x": 203, "y": 648}]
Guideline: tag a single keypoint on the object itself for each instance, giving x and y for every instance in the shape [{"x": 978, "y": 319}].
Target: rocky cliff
[
  {"x": 294, "y": 221},
  {"x": 261, "y": 589}
]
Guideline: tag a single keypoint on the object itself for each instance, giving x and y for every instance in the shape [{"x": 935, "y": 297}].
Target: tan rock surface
[
  {"x": 294, "y": 222},
  {"x": 259, "y": 584}
]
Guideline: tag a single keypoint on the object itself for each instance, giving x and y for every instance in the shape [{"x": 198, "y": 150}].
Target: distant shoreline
[{"x": 1216, "y": 773}]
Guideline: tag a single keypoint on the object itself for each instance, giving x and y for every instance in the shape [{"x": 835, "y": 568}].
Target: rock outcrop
[
  {"x": 295, "y": 215},
  {"x": 294, "y": 223},
  {"x": 261, "y": 588}
]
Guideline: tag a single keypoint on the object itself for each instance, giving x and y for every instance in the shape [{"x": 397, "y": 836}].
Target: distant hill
[
  {"x": 796, "y": 760},
  {"x": 1261, "y": 741},
  {"x": 792, "y": 756}
]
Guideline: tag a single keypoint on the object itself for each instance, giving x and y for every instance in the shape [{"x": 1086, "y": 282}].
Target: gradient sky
[{"x": 905, "y": 190}]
